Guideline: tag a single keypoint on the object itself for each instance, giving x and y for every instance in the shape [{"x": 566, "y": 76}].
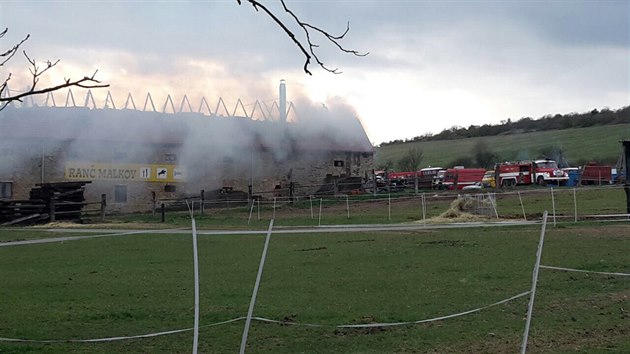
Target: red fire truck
[
  {"x": 425, "y": 177},
  {"x": 540, "y": 172},
  {"x": 458, "y": 178}
]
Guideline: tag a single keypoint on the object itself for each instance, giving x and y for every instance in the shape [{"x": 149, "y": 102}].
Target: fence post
[
  {"x": 389, "y": 206},
  {"x": 424, "y": 212},
  {"x": 553, "y": 205},
  {"x": 163, "y": 213},
  {"x": 251, "y": 210},
  {"x": 291, "y": 192},
  {"x": 415, "y": 183},
  {"x": 196, "y": 277},
  {"x": 532, "y": 292},
  {"x": 575, "y": 204},
  {"x": 493, "y": 201},
  {"x": 153, "y": 199},
  {"x": 311, "y": 199},
  {"x": 103, "y": 205},
  {"x": 320, "y": 212},
  {"x": 52, "y": 209},
  {"x": 250, "y": 312},
  {"x": 348, "y": 206},
  {"x": 374, "y": 190},
  {"x": 522, "y": 206},
  {"x": 202, "y": 196}
]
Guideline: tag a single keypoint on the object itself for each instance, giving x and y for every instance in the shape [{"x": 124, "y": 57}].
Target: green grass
[
  {"x": 579, "y": 144},
  {"x": 589, "y": 201},
  {"x": 139, "y": 284}
]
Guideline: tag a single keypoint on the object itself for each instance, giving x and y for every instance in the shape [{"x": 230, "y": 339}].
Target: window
[
  {"x": 120, "y": 194},
  {"x": 6, "y": 190},
  {"x": 72, "y": 154},
  {"x": 338, "y": 163},
  {"x": 169, "y": 188},
  {"x": 120, "y": 155},
  {"x": 170, "y": 157}
]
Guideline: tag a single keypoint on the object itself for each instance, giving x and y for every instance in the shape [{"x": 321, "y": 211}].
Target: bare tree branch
[
  {"x": 309, "y": 53},
  {"x": 9, "y": 53},
  {"x": 36, "y": 73}
]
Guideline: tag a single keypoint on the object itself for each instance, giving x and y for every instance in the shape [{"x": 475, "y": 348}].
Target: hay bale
[{"x": 467, "y": 208}]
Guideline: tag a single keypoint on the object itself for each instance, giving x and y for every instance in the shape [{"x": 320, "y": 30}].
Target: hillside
[
  {"x": 578, "y": 145},
  {"x": 527, "y": 125}
]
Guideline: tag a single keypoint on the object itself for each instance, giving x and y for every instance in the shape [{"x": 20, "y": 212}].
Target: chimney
[{"x": 282, "y": 105}]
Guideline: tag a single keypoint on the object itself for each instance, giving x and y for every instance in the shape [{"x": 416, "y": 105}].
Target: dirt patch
[
  {"x": 462, "y": 217},
  {"x": 610, "y": 231},
  {"x": 351, "y": 241},
  {"x": 341, "y": 332},
  {"x": 609, "y": 304},
  {"x": 449, "y": 243},
  {"x": 582, "y": 341},
  {"x": 595, "y": 301},
  {"x": 72, "y": 225},
  {"x": 311, "y": 249}
]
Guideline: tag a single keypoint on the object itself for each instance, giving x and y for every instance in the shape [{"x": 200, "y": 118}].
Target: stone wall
[{"x": 27, "y": 163}]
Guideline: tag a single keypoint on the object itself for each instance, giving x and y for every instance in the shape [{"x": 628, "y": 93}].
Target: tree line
[
  {"x": 481, "y": 156},
  {"x": 595, "y": 117}
]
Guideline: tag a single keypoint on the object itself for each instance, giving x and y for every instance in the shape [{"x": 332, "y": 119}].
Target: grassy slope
[{"x": 594, "y": 143}]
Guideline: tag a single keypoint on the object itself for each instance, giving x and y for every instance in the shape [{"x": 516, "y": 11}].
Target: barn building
[{"x": 135, "y": 157}]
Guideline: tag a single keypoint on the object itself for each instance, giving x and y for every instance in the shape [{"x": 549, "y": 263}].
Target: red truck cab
[{"x": 458, "y": 178}]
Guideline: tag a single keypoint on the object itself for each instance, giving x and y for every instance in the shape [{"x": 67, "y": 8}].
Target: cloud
[{"x": 497, "y": 59}]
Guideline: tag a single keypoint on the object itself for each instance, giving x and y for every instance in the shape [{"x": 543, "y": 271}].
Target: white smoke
[{"x": 209, "y": 148}]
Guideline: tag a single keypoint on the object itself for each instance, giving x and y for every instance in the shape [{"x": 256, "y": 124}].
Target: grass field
[
  {"x": 143, "y": 283},
  {"x": 599, "y": 143}
]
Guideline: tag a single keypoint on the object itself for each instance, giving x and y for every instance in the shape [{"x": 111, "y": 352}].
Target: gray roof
[{"x": 132, "y": 126}]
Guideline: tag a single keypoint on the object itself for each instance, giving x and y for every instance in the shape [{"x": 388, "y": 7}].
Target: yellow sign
[{"x": 82, "y": 171}]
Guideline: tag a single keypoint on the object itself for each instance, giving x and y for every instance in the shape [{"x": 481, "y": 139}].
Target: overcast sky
[{"x": 432, "y": 64}]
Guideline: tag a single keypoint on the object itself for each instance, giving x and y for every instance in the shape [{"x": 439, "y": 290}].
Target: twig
[{"x": 309, "y": 53}]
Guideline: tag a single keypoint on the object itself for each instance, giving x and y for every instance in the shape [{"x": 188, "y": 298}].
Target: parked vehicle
[
  {"x": 427, "y": 175},
  {"x": 476, "y": 186},
  {"x": 618, "y": 176},
  {"x": 458, "y": 178},
  {"x": 407, "y": 179},
  {"x": 404, "y": 177},
  {"x": 488, "y": 180},
  {"x": 596, "y": 174},
  {"x": 540, "y": 172},
  {"x": 574, "y": 176}
]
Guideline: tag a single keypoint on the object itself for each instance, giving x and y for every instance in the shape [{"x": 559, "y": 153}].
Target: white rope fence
[
  {"x": 585, "y": 271},
  {"x": 392, "y": 324},
  {"x": 114, "y": 339},
  {"x": 262, "y": 319}
]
